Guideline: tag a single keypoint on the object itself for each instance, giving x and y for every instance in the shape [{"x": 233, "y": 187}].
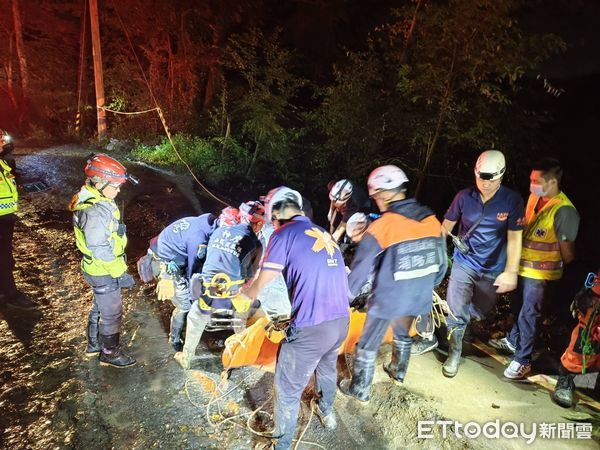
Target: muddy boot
[
  {"x": 175, "y": 338},
  {"x": 93, "y": 340},
  {"x": 112, "y": 354},
  {"x": 397, "y": 368},
  {"x": 184, "y": 358},
  {"x": 359, "y": 386},
  {"x": 21, "y": 301},
  {"x": 450, "y": 367},
  {"x": 564, "y": 391}
]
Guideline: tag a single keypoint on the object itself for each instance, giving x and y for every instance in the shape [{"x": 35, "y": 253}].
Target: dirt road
[{"x": 51, "y": 396}]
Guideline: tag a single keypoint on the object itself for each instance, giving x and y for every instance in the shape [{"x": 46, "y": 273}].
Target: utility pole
[{"x": 98, "y": 76}]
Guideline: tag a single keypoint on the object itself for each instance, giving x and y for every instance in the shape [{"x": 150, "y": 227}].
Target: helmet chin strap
[{"x": 99, "y": 189}]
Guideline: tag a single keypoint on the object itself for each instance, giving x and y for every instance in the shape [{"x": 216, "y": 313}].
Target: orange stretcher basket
[{"x": 255, "y": 346}]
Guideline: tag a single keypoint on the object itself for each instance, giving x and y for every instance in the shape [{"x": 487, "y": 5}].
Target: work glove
[
  {"x": 506, "y": 282},
  {"x": 126, "y": 281},
  {"x": 165, "y": 289},
  {"x": 241, "y": 302}
]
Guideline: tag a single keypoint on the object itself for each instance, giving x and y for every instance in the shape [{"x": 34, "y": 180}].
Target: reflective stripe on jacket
[
  {"x": 540, "y": 257},
  {"x": 99, "y": 234},
  {"x": 403, "y": 254},
  {"x": 8, "y": 190}
]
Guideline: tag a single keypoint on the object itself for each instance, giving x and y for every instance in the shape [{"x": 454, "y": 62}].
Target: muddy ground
[{"x": 52, "y": 396}]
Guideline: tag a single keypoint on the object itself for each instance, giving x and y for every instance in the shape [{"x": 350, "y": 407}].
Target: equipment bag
[{"x": 144, "y": 267}]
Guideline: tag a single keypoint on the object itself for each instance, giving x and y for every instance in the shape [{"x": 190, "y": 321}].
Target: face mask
[{"x": 537, "y": 190}]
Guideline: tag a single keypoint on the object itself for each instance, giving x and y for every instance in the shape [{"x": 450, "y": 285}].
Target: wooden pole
[{"x": 98, "y": 76}]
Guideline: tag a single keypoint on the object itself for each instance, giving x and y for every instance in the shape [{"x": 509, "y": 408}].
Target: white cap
[
  {"x": 490, "y": 165},
  {"x": 341, "y": 191},
  {"x": 357, "y": 224},
  {"x": 385, "y": 178},
  {"x": 279, "y": 194}
]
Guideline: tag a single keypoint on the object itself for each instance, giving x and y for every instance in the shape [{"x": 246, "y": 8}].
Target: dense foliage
[{"x": 426, "y": 84}]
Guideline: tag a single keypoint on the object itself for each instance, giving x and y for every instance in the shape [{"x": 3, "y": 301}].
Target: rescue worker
[
  {"x": 233, "y": 250},
  {"x": 408, "y": 252},
  {"x": 551, "y": 225},
  {"x": 583, "y": 353},
  {"x": 101, "y": 238},
  {"x": 487, "y": 249},
  {"x": 346, "y": 199},
  {"x": 9, "y": 197},
  {"x": 178, "y": 249},
  {"x": 313, "y": 267}
]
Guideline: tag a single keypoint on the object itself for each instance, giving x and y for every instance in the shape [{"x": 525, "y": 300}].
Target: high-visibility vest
[
  {"x": 90, "y": 264},
  {"x": 540, "y": 257},
  {"x": 8, "y": 190}
]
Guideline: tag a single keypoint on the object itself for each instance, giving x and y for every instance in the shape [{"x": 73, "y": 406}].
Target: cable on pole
[{"x": 160, "y": 113}]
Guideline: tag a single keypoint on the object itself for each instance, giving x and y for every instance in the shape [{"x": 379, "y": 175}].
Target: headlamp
[{"x": 487, "y": 176}]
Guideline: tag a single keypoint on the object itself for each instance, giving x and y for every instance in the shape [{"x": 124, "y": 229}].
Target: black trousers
[{"x": 7, "y": 262}]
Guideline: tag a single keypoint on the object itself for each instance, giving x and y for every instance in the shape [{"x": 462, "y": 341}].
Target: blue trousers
[
  {"x": 375, "y": 329},
  {"x": 470, "y": 294},
  {"x": 314, "y": 349},
  {"x": 523, "y": 333}
]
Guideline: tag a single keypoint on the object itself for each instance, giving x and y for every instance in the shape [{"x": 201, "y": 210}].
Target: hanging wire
[{"x": 160, "y": 113}]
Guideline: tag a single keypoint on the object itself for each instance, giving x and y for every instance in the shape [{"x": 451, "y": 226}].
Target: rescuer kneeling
[{"x": 100, "y": 236}]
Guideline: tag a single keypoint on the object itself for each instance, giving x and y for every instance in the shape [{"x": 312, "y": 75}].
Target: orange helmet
[{"x": 106, "y": 168}]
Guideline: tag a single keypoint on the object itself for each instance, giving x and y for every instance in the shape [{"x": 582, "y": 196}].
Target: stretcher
[{"x": 258, "y": 344}]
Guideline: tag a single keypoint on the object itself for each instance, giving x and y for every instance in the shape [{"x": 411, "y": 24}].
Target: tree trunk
[
  {"x": 253, "y": 159},
  {"x": 18, "y": 24},
  {"x": 9, "y": 75},
  {"x": 438, "y": 126}
]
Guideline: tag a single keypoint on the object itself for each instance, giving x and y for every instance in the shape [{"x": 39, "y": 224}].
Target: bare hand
[{"x": 506, "y": 282}]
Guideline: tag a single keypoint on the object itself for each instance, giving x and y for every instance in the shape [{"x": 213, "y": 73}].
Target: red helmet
[
  {"x": 252, "y": 212},
  {"x": 229, "y": 216},
  {"x": 104, "y": 167}
]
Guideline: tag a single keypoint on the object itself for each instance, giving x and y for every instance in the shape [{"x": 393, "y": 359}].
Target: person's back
[
  {"x": 313, "y": 268},
  {"x": 408, "y": 240},
  {"x": 179, "y": 241},
  {"x": 230, "y": 251}
]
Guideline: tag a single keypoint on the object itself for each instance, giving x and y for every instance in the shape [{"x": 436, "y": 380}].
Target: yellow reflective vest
[
  {"x": 540, "y": 257},
  {"x": 99, "y": 234},
  {"x": 8, "y": 190}
]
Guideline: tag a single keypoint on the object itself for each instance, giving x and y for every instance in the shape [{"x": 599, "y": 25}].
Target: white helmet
[
  {"x": 277, "y": 195},
  {"x": 341, "y": 191},
  {"x": 357, "y": 224},
  {"x": 385, "y": 178},
  {"x": 490, "y": 165}
]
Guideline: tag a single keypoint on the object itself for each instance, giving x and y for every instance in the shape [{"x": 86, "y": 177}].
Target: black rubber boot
[
  {"x": 450, "y": 367},
  {"x": 359, "y": 386},
  {"x": 564, "y": 391},
  {"x": 93, "y": 339},
  {"x": 175, "y": 338},
  {"x": 112, "y": 355},
  {"x": 397, "y": 368}
]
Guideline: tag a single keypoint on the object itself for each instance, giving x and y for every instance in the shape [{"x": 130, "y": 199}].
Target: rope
[
  {"x": 160, "y": 113},
  {"x": 587, "y": 349},
  {"x": 127, "y": 113},
  {"x": 215, "y": 399}
]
